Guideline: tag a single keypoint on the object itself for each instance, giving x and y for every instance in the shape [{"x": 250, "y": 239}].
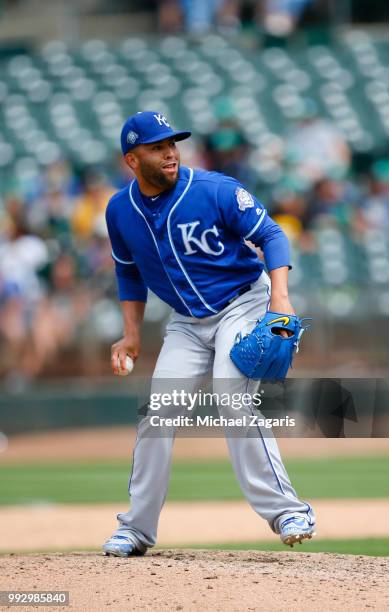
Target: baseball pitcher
[{"x": 181, "y": 233}]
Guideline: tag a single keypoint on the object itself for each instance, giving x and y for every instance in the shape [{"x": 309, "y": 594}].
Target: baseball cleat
[
  {"x": 121, "y": 546},
  {"x": 296, "y": 529}
]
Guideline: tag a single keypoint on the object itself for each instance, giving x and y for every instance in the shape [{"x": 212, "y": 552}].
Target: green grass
[
  {"x": 340, "y": 478},
  {"x": 373, "y": 547}
]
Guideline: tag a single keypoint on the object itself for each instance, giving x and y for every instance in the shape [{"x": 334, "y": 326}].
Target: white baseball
[{"x": 129, "y": 366}]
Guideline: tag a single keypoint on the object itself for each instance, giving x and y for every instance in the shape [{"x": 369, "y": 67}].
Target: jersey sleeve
[
  {"x": 244, "y": 215},
  {"x": 129, "y": 281}
]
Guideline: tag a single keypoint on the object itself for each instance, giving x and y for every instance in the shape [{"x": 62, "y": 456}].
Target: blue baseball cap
[{"x": 147, "y": 127}]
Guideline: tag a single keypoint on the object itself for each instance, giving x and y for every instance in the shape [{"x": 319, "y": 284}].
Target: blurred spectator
[
  {"x": 332, "y": 202},
  {"x": 51, "y": 218},
  {"x": 198, "y": 17},
  {"x": 315, "y": 147},
  {"x": 61, "y": 311},
  {"x": 22, "y": 256},
  {"x": 280, "y": 17},
  {"x": 289, "y": 209},
  {"x": 226, "y": 149},
  {"x": 89, "y": 208},
  {"x": 60, "y": 176},
  {"x": 169, "y": 16},
  {"x": 374, "y": 213},
  {"x": 47, "y": 289}
]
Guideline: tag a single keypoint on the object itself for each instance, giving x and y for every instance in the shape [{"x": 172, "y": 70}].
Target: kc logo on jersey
[{"x": 190, "y": 241}]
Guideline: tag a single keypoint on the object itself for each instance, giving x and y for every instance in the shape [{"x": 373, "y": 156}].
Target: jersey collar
[{"x": 166, "y": 202}]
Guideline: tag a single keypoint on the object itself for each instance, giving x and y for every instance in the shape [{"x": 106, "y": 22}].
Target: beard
[{"x": 156, "y": 177}]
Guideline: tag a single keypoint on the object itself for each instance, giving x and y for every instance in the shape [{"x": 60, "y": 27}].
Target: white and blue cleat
[
  {"x": 121, "y": 546},
  {"x": 296, "y": 529}
]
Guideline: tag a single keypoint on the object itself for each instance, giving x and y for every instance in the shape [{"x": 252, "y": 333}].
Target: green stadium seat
[
  {"x": 92, "y": 48},
  {"x": 54, "y": 89},
  {"x": 7, "y": 154},
  {"x": 172, "y": 46},
  {"x": 129, "y": 46},
  {"x": 214, "y": 46}
]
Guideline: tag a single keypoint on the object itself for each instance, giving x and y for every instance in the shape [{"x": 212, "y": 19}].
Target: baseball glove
[{"x": 264, "y": 354}]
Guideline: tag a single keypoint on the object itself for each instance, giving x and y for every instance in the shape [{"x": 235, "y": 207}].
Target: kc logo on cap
[
  {"x": 162, "y": 120},
  {"x": 145, "y": 128}
]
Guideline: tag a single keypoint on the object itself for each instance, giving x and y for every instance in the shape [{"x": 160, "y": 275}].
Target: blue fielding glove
[{"x": 264, "y": 354}]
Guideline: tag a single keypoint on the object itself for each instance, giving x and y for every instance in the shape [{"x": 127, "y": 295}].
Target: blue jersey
[{"x": 188, "y": 244}]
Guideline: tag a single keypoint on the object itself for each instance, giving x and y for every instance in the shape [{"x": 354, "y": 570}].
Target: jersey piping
[
  {"x": 156, "y": 246},
  {"x": 174, "y": 249},
  {"x": 126, "y": 263},
  {"x": 256, "y": 226}
]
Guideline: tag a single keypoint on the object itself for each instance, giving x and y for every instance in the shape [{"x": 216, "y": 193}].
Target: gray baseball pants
[{"x": 192, "y": 349}]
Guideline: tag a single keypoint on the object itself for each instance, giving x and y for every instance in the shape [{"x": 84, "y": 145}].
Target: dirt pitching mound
[{"x": 210, "y": 580}]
